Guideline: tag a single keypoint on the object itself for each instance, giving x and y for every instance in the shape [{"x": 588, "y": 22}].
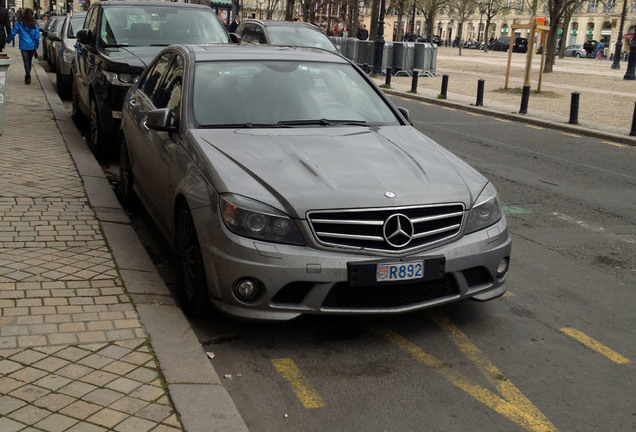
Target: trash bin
[{"x": 5, "y": 62}]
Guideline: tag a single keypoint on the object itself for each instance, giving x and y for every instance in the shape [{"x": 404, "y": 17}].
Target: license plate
[{"x": 399, "y": 271}]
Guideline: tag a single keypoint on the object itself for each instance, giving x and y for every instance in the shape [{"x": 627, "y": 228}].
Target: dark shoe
[{"x": 27, "y": 80}]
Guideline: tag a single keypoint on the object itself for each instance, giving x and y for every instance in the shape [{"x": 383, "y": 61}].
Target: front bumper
[{"x": 295, "y": 280}]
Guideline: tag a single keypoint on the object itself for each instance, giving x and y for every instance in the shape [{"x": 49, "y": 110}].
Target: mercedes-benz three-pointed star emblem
[{"x": 398, "y": 230}]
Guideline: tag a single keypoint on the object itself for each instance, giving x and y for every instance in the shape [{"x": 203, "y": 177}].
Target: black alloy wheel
[
  {"x": 96, "y": 136},
  {"x": 126, "y": 191},
  {"x": 191, "y": 283}
]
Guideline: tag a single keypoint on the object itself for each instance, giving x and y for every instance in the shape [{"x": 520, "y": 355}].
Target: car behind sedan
[
  {"x": 284, "y": 33},
  {"x": 288, "y": 184},
  {"x": 575, "y": 51}
]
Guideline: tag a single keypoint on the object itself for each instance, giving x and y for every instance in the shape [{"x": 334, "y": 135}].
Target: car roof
[
  {"x": 228, "y": 52},
  {"x": 147, "y": 3},
  {"x": 274, "y": 23}
]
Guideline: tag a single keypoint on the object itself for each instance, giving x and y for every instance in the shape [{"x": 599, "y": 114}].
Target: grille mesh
[
  {"x": 364, "y": 229},
  {"x": 378, "y": 297}
]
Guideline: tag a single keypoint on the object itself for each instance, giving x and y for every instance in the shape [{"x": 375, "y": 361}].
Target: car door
[
  {"x": 153, "y": 150},
  {"x": 84, "y": 60}
]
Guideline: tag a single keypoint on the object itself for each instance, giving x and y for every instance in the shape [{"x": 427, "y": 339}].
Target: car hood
[
  {"x": 131, "y": 58},
  {"x": 297, "y": 170}
]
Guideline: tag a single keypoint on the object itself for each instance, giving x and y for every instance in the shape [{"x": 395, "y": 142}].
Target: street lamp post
[
  {"x": 616, "y": 64},
  {"x": 413, "y": 25},
  {"x": 379, "y": 42}
]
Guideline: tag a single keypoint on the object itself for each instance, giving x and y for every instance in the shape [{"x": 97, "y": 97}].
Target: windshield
[
  {"x": 285, "y": 94},
  {"x": 299, "y": 36},
  {"x": 156, "y": 25}
]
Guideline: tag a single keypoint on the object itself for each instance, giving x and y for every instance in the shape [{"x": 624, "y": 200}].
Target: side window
[
  {"x": 154, "y": 74},
  {"x": 168, "y": 94},
  {"x": 259, "y": 35},
  {"x": 91, "y": 20}
]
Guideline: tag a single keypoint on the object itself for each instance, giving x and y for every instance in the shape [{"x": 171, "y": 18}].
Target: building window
[
  {"x": 592, "y": 6},
  {"x": 609, "y": 6}
]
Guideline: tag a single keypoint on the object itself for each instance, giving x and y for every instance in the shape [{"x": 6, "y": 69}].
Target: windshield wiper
[
  {"x": 322, "y": 122},
  {"x": 240, "y": 126},
  {"x": 115, "y": 45}
]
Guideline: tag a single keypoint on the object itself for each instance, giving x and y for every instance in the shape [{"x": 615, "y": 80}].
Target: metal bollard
[
  {"x": 480, "y": 93},
  {"x": 444, "y": 86},
  {"x": 414, "y": 83},
  {"x": 574, "y": 108},
  {"x": 389, "y": 72},
  {"x": 525, "y": 96},
  {"x": 633, "y": 131}
]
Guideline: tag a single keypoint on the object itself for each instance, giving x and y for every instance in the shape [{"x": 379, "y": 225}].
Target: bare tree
[
  {"x": 463, "y": 10},
  {"x": 556, "y": 11},
  {"x": 375, "y": 15},
  {"x": 491, "y": 9},
  {"x": 400, "y": 6},
  {"x": 431, "y": 9}
]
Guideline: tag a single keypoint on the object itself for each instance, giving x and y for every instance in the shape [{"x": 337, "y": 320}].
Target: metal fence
[{"x": 404, "y": 58}]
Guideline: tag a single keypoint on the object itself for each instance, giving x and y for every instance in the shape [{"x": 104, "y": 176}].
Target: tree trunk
[
  {"x": 289, "y": 10},
  {"x": 398, "y": 30},
  {"x": 550, "y": 45},
  {"x": 375, "y": 14},
  {"x": 486, "y": 38}
]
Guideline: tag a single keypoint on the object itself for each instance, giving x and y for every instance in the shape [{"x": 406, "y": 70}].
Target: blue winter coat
[{"x": 29, "y": 37}]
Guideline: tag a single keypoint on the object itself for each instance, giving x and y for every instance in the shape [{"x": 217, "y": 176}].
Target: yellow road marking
[
  {"x": 300, "y": 385},
  {"x": 508, "y": 294},
  {"x": 613, "y": 144},
  {"x": 514, "y": 407},
  {"x": 595, "y": 345},
  {"x": 449, "y": 109},
  {"x": 571, "y": 135},
  {"x": 534, "y": 127},
  {"x": 475, "y": 114},
  {"x": 427, "y": 103},
  {"x": 503, "y": 120}
]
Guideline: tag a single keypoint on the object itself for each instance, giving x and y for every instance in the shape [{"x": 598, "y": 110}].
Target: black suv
[
  {"x": 590, "y": 48},
  {"x": 520, "y": 44},
  {"x": 118, "y": 40}
]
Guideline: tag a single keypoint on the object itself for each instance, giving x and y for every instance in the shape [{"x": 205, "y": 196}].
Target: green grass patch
[{"x": 519, "y": 91}]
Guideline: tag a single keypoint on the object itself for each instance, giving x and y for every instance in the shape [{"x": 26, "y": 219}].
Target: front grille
[
  {"x": 293, "y": 293},
  {"x": 370, "y": 229},
  {"x": 389, "y": 296}
]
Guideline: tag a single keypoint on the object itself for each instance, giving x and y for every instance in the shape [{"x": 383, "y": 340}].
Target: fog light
[
  {"x": 502, "y": 268},
  {"x": 245, "y": 289}
]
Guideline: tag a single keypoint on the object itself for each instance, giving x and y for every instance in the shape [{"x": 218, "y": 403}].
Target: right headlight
[
  {"x": 485, "y": 211},
  {"x": 121, "y": 79},
  {"x": 253, "y": 219}
]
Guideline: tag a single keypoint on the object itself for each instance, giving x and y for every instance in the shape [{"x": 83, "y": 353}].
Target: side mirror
[
  {"x": 405, "y": 114},
  {"x": 235, "y": 38},
  {"x": 162, "y": 120},
  {"x": 84, "y": 36},
  {"x": 54, "y": 36}
]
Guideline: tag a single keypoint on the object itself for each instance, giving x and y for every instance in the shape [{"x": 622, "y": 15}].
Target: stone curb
[{"x": 202, "y": 402}]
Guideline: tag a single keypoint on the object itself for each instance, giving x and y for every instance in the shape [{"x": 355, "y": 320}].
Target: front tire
[
  {"x": 191, "y": 283},
  {"x": 96, "y": 141},
  {"x": 63, "y": 88}
]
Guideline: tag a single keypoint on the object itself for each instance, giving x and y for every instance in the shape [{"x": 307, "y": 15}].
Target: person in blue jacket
[{"x": 29, "y": 36}]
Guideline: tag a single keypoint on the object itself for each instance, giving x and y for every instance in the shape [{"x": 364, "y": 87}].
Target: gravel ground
[{"x": 606, "y": 101}]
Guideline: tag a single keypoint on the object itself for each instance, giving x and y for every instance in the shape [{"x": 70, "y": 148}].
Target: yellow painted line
[
  {"x": 475, "y": 114},
  {"x": 518, "y": 411},
  {"x": 613, "y": 144},
  {"x": 508, "y": 294},
  {"x": 534, "y": 127},
  {"x": 299, "y": 383},
  {"x": 450, "y": 109},
  {"x": 595, "y": 345},
  {"x": 427, "y": 103},
  {"x": 503, "y": 120},
  {"x": 571, "y": 135}
]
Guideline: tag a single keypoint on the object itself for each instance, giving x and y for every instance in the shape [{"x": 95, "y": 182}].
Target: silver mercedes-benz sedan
[{"x": 288, "y": 184}]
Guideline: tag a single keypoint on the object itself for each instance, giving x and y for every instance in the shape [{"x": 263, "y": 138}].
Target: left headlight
[
  {"x": 253, "y": 219},
  {"x": 122, "y": 79},
  {"x": 486, "y": 210}
]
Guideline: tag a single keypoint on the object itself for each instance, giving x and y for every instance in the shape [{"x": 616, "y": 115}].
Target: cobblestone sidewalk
[{"x": 73, "y": 354}]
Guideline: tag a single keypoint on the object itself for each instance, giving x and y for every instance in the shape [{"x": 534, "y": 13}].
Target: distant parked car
[
  {"x": 47, "y": 43},
  {"x": 287, "y": 33},
  {"x": 589, "y": 47},
  {"x": 520, "y": 45},
  {"x": 44, "y": 29},
  {"x": 424, "y": 38},
  {"x": 66, "y": 51},
  {"x": 575, "y": 51}
]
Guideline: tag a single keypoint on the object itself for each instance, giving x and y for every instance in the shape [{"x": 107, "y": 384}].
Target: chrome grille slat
[{"x": 364, "y": 228}]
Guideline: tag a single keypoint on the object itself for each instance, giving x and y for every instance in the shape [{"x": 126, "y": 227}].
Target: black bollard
[
  {"x": 365, "y": 68},
  {"x": 525, "y": 96},
  {"x": 633, "y": 131},
  {"x": 574, "y": 108},
  {"x": 389, "y": 72},
  {"x": 480, "y": 92},
  {"x": 444, "y": 86},
  {"x": 414, "y": 82}
]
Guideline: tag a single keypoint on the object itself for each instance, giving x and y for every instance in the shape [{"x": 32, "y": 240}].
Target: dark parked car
[
  {"x": 118, "y": 39},
  {"x": 287, "y": 33},
  {"x": 65, "y": 54},
  {"x": 45, "y": 31},
  {"x": 503, "y": 44},
  {"x": 589, "y": 47},
  {"x": 53, "y": 25},
  {"x": 424, "y": 38},
  {"x": 289, "y": 184}
]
